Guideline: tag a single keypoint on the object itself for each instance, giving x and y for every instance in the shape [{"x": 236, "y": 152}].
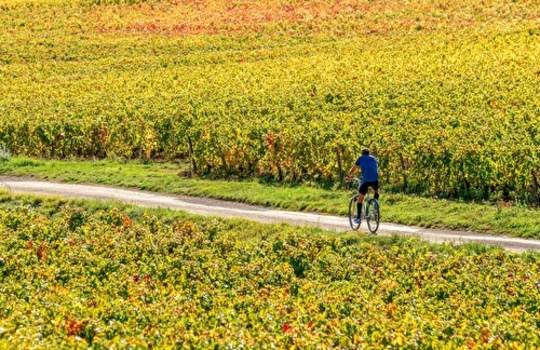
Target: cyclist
[{"x": 369, "y": 168}]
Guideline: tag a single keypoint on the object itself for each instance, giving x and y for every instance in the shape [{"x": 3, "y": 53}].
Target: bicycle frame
[{"x": 370, "y": 210}]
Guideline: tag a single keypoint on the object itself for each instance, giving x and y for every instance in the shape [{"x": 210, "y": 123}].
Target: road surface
[{"x": 212, "y": 207}]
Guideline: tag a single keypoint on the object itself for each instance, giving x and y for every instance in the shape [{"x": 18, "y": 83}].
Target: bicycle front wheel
[
  {"x": 373, "y": 215},
  {"x": 353, "y": 213}
]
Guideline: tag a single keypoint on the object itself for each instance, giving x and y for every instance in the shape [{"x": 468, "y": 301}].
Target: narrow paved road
[{"x": 205, "y": 206}]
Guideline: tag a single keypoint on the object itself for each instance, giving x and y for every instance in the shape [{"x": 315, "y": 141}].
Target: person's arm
[{"x": 353, "y": 169}]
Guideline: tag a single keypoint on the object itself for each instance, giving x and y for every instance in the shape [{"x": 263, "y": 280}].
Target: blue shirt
[{"x": 369, "y": 166}]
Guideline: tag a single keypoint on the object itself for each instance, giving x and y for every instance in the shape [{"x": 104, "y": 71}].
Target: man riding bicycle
[{"x": 369, "y": 168}]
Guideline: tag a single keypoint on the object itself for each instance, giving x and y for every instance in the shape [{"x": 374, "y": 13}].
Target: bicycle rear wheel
[
  {"x": 353, "y": 213},
  {"x": 373, "y": 215}
]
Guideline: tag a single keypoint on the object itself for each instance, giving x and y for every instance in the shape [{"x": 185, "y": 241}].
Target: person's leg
[
  {"x": 362, "y": 190},
  {"x": 359, "y": 204},
  {"x": 376, "y": 195}
]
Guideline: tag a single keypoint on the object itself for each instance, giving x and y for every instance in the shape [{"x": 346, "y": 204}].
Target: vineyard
[
  {"x": 445, "y": 93},
  {"x": 117, "y": 277}
]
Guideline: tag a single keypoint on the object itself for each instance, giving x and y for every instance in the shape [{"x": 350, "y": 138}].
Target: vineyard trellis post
[
  {"x": 404, "y": 171},
  {"x": 339, "y": 164},
  {"x": 191, "y": 158}
]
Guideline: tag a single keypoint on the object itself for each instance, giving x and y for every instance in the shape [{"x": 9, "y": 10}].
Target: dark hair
[{"x": 365, "y": 151}]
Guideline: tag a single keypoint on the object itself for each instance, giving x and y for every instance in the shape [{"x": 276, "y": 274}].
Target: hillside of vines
[
  {"x": 445, "y": 93},
  {"x": 75, "y": 275}
]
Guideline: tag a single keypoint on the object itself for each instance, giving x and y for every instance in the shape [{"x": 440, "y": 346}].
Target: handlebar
[{"x": 355, "y": 179}]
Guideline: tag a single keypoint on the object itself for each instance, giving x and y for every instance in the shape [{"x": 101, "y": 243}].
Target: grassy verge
[
  {"x": 514, "y": 220},
  {"x": 240, "y": 229}
]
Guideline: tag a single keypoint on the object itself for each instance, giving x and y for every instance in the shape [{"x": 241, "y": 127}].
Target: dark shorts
[{"x": 365, "y": 185}]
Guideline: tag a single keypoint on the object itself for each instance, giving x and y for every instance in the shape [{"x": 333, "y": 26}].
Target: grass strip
[{"x": 496, "y": 218}]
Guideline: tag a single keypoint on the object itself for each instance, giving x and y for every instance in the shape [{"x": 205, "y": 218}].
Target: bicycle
[{"x": 370, "y": 211}]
